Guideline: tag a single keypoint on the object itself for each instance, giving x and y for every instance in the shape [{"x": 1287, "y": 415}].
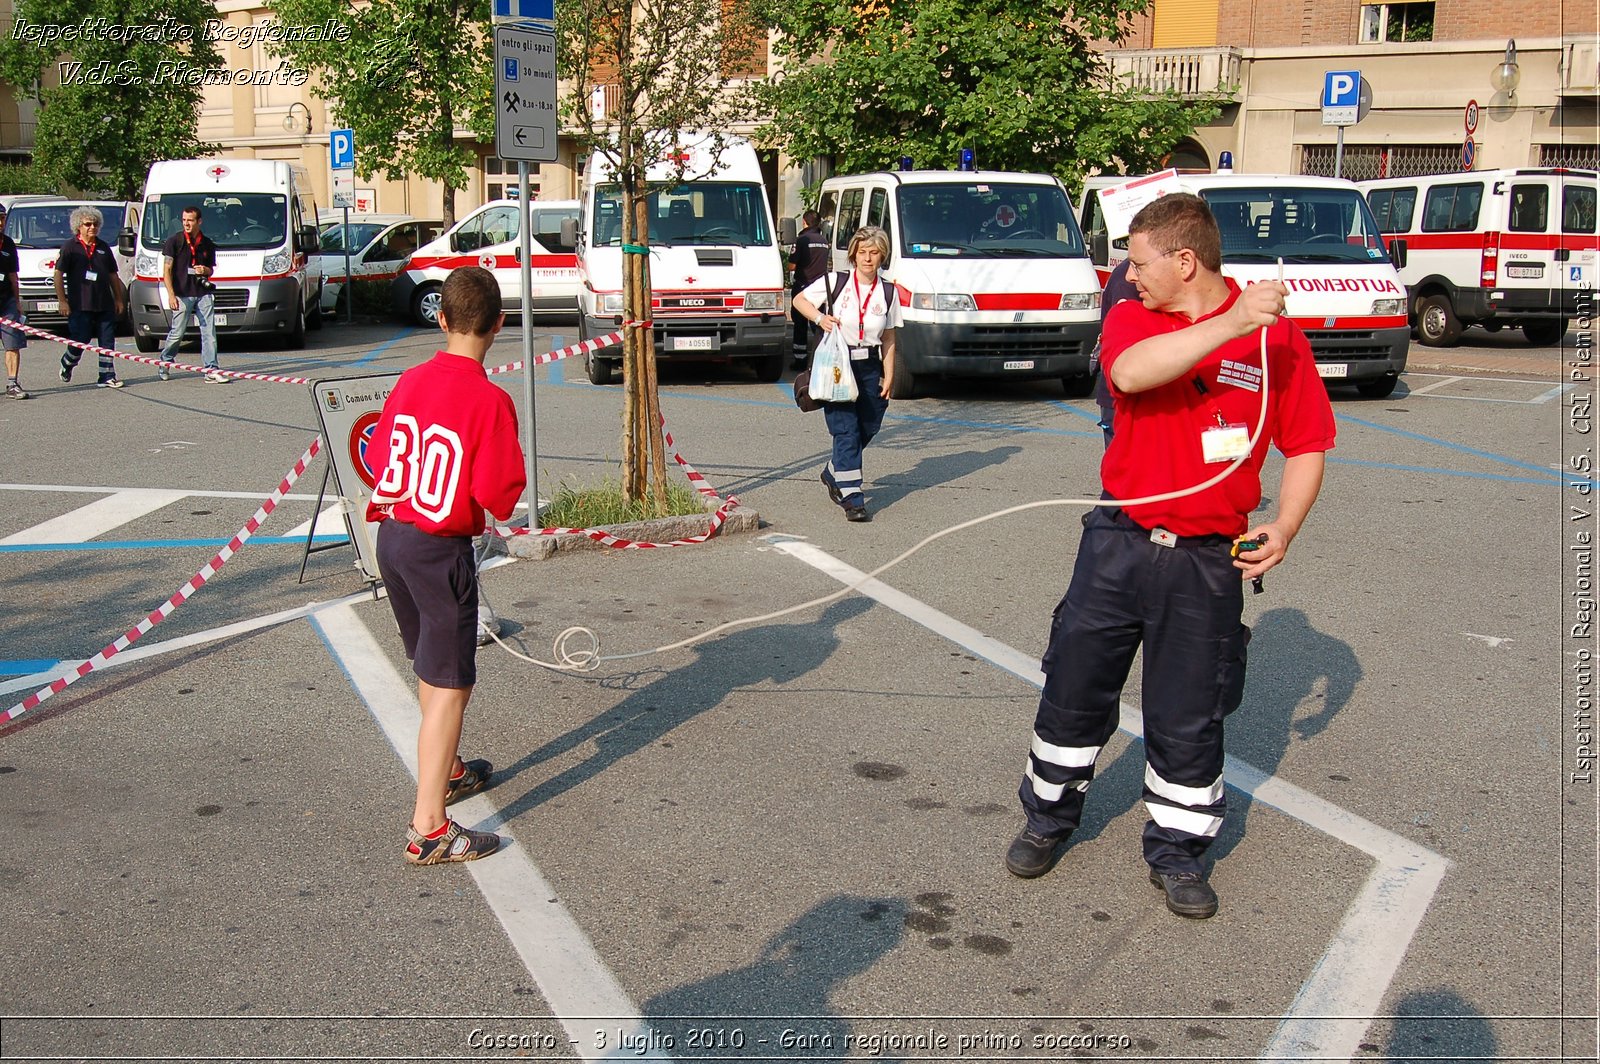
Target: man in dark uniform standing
[
  {"x": 1184, "y": 365},
  {"x": 190, "y": 258},
  {"x": 810, "y": 261},
  {"x": 91, "y": 293}
]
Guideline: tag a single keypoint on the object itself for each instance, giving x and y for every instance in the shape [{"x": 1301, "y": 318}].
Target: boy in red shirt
[
  {"x": 447, "y": 445},
  {"x": 1184, "y": 365}
]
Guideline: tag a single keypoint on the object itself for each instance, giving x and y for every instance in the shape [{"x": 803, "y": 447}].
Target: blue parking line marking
[
  {"x": 160, "y": 544},
  {"x": 1503, "y": 459},
  {"x": 27, "y": 666},
  {"x": 376, "y": 351}
]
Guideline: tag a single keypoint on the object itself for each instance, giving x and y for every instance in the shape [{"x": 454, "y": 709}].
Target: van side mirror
[
  {"x": 787, "y": 233},
  {"x": 125, "y": 241},
  {"x": 1397, "y": 252},
  {"x": 1100, "y": 248},
  {"x": 308, "y": 239},
  {"x": 569, "y": 232}
]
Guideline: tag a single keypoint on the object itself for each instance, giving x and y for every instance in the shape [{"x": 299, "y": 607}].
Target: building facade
[
  {"x": 1265, "y": 62},
  {"x": 1425, "y": 63}
]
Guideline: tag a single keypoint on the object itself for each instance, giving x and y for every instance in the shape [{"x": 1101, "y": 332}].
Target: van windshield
[
  {"x": 235, "y": 221},
  {"x": 988, "y": 220},
  {"x": 1300, "y": 225},
  {"x": 50, "y": 225},
  {"x": 727, "y": 213}
]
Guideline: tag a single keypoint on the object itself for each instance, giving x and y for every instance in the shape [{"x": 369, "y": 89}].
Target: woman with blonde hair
[{"x": 866, "y": 306}]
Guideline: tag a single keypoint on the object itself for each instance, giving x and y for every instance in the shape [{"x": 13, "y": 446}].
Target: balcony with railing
[{"x": 1193, "y": 73}]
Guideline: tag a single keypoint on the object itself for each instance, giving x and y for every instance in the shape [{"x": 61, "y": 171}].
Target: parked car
[
  {"x": 379, "y": 244},
  {"x": 488, "y": 237}
]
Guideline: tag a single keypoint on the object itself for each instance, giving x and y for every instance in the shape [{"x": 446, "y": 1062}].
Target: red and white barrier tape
[
  {"x": 129, "y": 356},
  {"x": 190, "y": 586},
  {"x": 566, "y": 352},
  {"x": 607, "y": 539},
  {"x": 553, "y": 356}
]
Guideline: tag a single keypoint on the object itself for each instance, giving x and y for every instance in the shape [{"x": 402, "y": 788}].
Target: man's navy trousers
[{"x": 1183, "y": 603}]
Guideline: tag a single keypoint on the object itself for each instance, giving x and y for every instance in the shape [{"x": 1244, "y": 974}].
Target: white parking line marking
[
  {"x": 329, "y": 522},
  {"x": 97, "y": 518},
  {"x": 1332, "y": 1010},
  {"x": 1425, "y": 389},
  {"x": 570, "y": 973},
  {"x": 1554, "y": 393}
]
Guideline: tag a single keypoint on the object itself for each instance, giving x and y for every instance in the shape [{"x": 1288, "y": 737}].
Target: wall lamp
[
  {"x": 298, "y": 120},
  {"x": 1508, "y": 75}
]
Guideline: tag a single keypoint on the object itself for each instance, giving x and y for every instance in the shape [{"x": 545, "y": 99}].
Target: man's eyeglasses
[{"x": 1140, "y": 267}]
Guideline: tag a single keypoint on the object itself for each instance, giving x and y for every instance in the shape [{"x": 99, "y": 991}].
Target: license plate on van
[
  {"x": 47, "y": 306},
  {"x": 694, "y": 343},
  {"x": 219, "y": 319},
  {"x": 1332, "y": 369},
  {"x": 1518, "y": 269},
  {"x": 1022, "y": 363}
]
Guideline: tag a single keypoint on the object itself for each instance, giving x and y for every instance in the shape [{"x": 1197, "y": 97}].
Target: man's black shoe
[
  {"x": 1032, "y": 855},
  {"x": 833, "y": 489},
  {"x": 1188, "y": 894},
  {"x": 856, "y": 513}
]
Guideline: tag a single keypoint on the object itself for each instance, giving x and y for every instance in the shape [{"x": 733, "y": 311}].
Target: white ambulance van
[
  {"x": 1344, "y": 292},
  {"x": 263, "y": 218},
  {"x": 716, "y": 272},
  {"x": 491, "y": 237},
  {"x": 993, "y": 276},
  {"x": 1494, "y": 248},
  {"x": 41, "y": 227}
]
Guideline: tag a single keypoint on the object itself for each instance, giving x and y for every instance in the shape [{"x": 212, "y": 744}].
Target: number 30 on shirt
[{"x": 424, "y": 467}]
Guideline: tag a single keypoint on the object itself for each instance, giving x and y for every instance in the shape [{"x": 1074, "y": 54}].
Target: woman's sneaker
[{"x": 456, "y": 844}]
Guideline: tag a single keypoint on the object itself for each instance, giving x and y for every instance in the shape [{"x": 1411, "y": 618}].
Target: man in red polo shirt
[{"x": 1184, "y": 365}]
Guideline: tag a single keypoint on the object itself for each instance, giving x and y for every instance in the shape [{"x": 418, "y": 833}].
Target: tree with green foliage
[
  {"x": 24, "y": 179},
  {"x": 671, "y": 68},
  {"x": 868, "y": 81},
  {"x": 408, "y": 75},
  {"x": 131, "y": 74}
]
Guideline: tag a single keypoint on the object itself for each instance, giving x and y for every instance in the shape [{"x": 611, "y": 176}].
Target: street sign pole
[
  {"x": 349, "y": 286},
  {"x": 1338, "y": 152},
  {"x": 525, "y": 263}
]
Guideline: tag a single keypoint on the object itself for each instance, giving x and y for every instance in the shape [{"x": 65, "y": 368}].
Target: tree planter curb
[{"x": 656, "y": 530}]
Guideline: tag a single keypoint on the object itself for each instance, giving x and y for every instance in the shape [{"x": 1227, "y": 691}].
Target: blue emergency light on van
[
  {"x": 905, "y": 164},
  {"x": 967, "y": 160}
]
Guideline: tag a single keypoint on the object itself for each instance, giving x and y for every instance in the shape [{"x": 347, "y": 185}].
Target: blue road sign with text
[{"x": 539, "y": 9}]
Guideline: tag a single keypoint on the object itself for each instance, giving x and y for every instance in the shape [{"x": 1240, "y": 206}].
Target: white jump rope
[{"x": 588, "y": 658}]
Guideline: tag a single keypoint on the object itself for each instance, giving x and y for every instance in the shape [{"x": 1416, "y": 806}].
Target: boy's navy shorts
[{"x": 433, "y": 590}]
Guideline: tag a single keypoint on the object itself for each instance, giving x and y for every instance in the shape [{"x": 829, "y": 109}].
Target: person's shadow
[
  {"x": 1433, "y": 1025},
  {"x": 779, "y": 653},
  {"x": 938, "y": 469},
  {"x": 786, "y": 988},
  {"x": 1297, "y": 681}
]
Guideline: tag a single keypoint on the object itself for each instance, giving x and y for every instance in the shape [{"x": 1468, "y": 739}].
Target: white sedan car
[{"x": 378, "y": 243}]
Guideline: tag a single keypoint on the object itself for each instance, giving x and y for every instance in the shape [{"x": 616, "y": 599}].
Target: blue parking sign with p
[
  {"x": 342, "y": 149},
  {"x": 1341, "y": 88}
]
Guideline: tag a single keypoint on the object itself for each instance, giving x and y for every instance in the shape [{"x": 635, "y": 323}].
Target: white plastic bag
[{"x": 832, "y": 380}]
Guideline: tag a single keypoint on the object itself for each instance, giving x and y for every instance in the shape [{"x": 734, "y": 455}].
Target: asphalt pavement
[{"x": 783, "y": 842}]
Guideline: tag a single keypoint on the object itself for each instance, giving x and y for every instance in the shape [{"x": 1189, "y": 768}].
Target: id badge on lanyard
[{"x": 1223, "y": 441}]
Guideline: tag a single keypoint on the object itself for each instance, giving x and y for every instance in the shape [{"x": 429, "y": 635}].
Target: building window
[
  {"x": 1396, "y": 22},
  {"x": 500, "y": 178}
]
